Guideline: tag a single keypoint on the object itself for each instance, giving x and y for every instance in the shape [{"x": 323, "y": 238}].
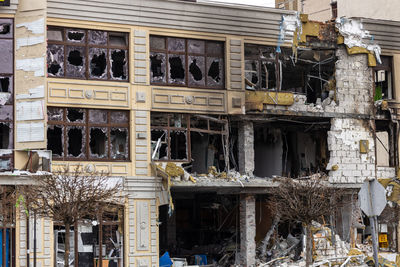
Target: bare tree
[
  {"x": 68, "y": 197},
  {"x": 304, "y": 201}
]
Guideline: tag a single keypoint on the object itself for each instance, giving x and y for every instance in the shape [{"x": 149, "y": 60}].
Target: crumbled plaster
[
  {"x": 28, "y": 41},
  {"x": 36, "y": 26},
  {"x": 356, "y": 36},
  {"x": 288, "y": 26},
  {"x": 31, "y": 64},
  {"x": 386, "y": 172}
]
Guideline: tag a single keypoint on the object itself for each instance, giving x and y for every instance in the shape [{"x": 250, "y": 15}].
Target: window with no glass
[
  {"x": 87, "y": 54},
  {"x": 186, "y": 62},
  {"x": 76, "y": 133}
]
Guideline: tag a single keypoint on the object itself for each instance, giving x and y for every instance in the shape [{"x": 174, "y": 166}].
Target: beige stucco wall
[
  {"x": 383, "y": 9},
  {"x": 319, "y": 10}
]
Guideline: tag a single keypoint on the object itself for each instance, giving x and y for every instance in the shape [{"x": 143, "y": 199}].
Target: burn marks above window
[
  {"x": 186, "y": 62},
  {"x": 88, "y": 134},
  {"x": 87, "y": 54}
]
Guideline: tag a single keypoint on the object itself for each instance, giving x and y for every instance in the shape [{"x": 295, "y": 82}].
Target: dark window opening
[
  {"x": 5, "y": 84},
  {"x": 75, "y": 142},
  {"x": 5, "y": 28},
  {"x": 89, "y": 54},
  {"x": 4, "y": 136},
  {"x": 290, "y": 151},
  {"x": 97, "y": 144},
  {"x": 75, "y": 58},
  {"x": 178, "y": 145},
  {"x": 55, "y": 140},
  {"x": 191, "y": 62},
  {"x": 91, "y": 134},
  {"x": 118, "y": 64},
  {"x": 98, "y": 65},
  {"x": 177, "y": 72},
  {"x": 119, "y": 143},
  {"x": 75, "y": 36},
  {"x": 75, "y": 114},
  {"x": 383, "y": 79}
]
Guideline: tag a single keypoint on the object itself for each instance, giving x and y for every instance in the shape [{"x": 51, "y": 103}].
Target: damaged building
[{"x": 199, "y": 109}]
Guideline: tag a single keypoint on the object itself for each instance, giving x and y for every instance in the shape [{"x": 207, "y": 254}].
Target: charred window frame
[
  {"x": 88, "y": 134},
  {"x": 383, "y": 79},
  {"x": 87, "y": 54},
  {"x": 170, "y": 131},
  {"x": 6, "y": 93},
  {"x": 187, "y": 62}
]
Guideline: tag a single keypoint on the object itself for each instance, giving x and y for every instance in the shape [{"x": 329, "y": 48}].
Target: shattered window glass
[
  {"x": 87, "y": 54},
  {"x": 189, "y": 62},
  {"x": 88, "y": 134},
  {"x": 76, "y": 63}
]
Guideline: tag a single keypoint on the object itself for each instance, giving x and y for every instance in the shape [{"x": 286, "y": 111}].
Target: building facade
[{"x": 195, "y": 107}]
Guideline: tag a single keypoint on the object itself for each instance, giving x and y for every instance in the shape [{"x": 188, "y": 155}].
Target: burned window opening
[
  {"x": 91, "y": 134},
  {"x": 118, "y": 64},
  {"x": 75, "y": 114},
  {"x": 5, "y": 28},
  {"x": 98, "y": 65},
  {"x": 5, "y": 84},
  {"x": 178, "y": 145},
  {"x": 75, "y": 58},
  {"x": 189, "y": 62},
  {"x": 55, "y": 140},
  {"x": 75, "y": 36},
  {"x": 88, "y": 54},
  {"x": 383, "y": 79},
  {"x": 97, "y": 143},
  {"x": 75, "y": 142}
]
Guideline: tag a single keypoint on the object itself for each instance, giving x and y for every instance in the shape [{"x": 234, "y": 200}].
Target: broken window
[
  {"x": 187, "y": 62},
  {"x": 87, "y": 54},
  {"x": 309, "y": 73},
  {"x": 197, "y": 139},
  {"x": 386, "y": 144},
  {"x": 383, "y": 79},
  {"x": 6, "y": 93},
  {"x": 88, "y": 133}
]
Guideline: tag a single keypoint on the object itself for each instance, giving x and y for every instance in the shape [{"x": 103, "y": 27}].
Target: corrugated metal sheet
[
  {"x": 238, "y": 20},
  {"x": 9, "y": 9},
  {"x": 385, "y": 32}
]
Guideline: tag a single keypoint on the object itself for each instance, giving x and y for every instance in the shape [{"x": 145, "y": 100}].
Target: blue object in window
[{"x": 165, "y": 260}]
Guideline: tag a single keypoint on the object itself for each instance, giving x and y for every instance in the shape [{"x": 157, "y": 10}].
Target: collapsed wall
[{"x": 350, "y": 140}]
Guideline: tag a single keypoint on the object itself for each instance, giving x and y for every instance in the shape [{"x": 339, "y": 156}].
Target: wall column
[
  {"x": 247, "y": 230},
  {"x": 246, "y": 148}
]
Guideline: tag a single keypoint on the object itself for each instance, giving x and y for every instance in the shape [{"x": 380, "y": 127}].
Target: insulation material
[
  {"x": 30, "y": 132},
  {"x": 55, "y": 60},
  {"x": 215, "y": 72},
  {"x": 97, "y": 37},
  {"x": 36, "y": 26},
  {"x": 37, "y": 92},
  {"x": 27, "y": 111},
  {"x": 31, "y": 64},
  {"x": 196, "y": 71},
  {"x": 177, "y": 68},
  {"x": 356, "y": 36},
  {"x": 28, "y": 41},
  {"x": 119, "y": 66},
  {"x": 157, "y": 67},
  {"x": 6, "y": 56},
  {"x": 98, "y": 63},
  {"x": 5, "y": 98},
  {"x": 288, "y": 26},
  {"x": 76, "y": 63}
]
